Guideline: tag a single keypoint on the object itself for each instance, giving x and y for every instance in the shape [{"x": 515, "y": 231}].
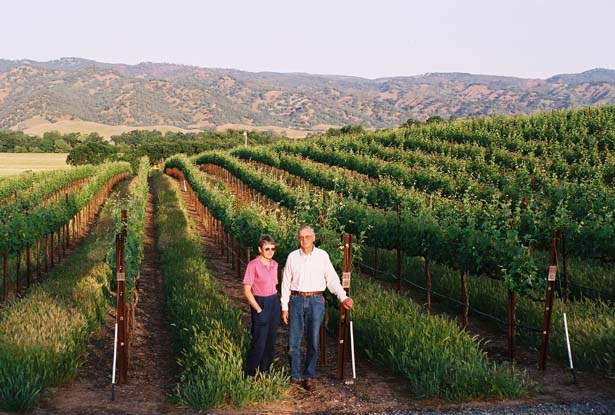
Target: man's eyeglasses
[
  {"x": 269, "y": 248},
  {"x": 306, "y": 236}
]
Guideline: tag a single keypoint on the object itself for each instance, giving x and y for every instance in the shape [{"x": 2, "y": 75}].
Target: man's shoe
[
  {"x": 297, "y": 382},
  {"x": 309, "y": 385}
]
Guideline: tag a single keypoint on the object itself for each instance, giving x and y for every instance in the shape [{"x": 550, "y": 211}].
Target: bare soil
[{"x": 153, "y": 372}]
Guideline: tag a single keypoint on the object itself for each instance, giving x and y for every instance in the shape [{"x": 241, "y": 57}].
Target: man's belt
[{"x": 306, "y": 293}]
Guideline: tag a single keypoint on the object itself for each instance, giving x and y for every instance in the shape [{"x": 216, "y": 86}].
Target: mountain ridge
[{"x": 187, "y": 96}]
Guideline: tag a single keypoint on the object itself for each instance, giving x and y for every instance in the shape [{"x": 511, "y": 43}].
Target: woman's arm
[{"x": 247, "y": 292}]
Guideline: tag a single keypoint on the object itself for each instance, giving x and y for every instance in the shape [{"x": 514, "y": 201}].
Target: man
[{"x": 307, "y": 273}]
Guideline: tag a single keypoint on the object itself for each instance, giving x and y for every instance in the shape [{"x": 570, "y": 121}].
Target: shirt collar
[{"x": 307, "y": 255}]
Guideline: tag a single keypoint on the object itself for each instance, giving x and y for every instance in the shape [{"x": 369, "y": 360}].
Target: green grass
[
  {"x": 591, "y": 323},
  {"x": 439, "y": 359},
  {"x": 209, "y": 335},
  {"x": 43, "y": 335}
]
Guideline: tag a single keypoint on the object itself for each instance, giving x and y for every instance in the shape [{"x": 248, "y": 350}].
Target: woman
[{"x": 259, "y": 288}]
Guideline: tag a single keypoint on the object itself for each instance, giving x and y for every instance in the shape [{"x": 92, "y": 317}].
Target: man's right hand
[{"x": 285, "y": 317}]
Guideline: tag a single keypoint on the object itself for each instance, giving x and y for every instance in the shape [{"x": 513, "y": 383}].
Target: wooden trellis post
[
  {"x": 398, "y": 248},
  {"x": 376, "y": 262},
  {"x": 322, "y": 341},
  {"x": 67, "y": 230},
  {"x": 238, "y": 259},
  {"x": 122, "y": 337},
  {"x": 38, "y": 259},
  {"x": 28, "y": 267},
  {"x": 46, "y": 253},
  {"x": 344, "y": 314},
  {"x": 428, "y": 285},
  {"x": 247, "y": 255},
  {"x": 546, "y": 326},
  {"x": 59, "y": 244},
  {"x": 17, "y": 272},
  {"x": 512, "y": 326},
  {"x": 5, "y": 291},
  {"x": 227, "y": 242},
  {"x": 465, "y": 299}
]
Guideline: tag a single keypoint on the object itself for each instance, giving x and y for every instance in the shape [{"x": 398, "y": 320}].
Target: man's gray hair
[{"x": 304, "y": 227}]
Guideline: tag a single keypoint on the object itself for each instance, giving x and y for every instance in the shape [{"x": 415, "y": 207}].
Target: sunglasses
[{"x": 269, "y": 248}]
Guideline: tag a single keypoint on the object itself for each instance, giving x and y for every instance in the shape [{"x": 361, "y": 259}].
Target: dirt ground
[{"x": 152, "y": 372}]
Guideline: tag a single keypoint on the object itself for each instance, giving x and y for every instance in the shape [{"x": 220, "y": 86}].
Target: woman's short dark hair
[{"x": 265, "y": 239}]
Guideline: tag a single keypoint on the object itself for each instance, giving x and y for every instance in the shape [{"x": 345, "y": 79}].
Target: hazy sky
[{"x": 525, "y": 38}]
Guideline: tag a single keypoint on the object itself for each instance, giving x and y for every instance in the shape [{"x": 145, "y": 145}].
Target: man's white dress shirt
[{"x": 308, "y": 273}]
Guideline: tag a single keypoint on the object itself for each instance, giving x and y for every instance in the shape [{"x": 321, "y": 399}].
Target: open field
[
  {"x": 289, "y": 132},
  {"x": 15, "y": 163},
  {"x": 38, "y": 126}
]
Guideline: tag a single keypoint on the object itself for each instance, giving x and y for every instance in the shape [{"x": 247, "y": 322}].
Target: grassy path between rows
[
  {"x": 152, "y": 371},
  {"x": 375, "y": 389}
]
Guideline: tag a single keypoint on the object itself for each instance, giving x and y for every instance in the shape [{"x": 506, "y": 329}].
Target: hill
[{"x": 188, "y": 97}]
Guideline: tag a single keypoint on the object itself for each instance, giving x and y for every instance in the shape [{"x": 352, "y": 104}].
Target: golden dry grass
[
  {"x": 15, "y": 163},
  {"x": 38, "y": 125},
  {"x": 289, "y": 132}
]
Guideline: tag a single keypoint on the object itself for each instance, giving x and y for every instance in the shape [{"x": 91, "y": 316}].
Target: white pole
[
  {"x": 354, "y": 373},
  {"x": 185, "y": 189},
  {"x": 567, "y": 341},
  {"x": 113, "y": 369}
]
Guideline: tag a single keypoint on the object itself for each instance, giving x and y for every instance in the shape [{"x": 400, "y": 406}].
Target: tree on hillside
[
  {"x": 61, "y": 145},
  {"x": 347, "y": 129},
  {"x": 434, "y": 119},
  {"x": 93, "y": 152},
  {"x": 74, "y": 139},
  {"x": 94, "y": 137},
  {"x": 410, "y": 121},
  {"x": 52, "y": 136},
  {"x": 136, "y": 137}
]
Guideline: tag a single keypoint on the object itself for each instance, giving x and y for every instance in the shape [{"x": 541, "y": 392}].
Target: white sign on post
[
  {"x": 552, "y": 272},
  {"x": 346, "y": 280}
]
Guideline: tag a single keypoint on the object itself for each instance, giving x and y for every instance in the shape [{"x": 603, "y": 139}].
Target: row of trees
[
  {"x": 50, "y": 142},
  {"x": 133, "y": 145},
  {"x": 93, "y": 149},
  {"x": 358, "y": 129}
]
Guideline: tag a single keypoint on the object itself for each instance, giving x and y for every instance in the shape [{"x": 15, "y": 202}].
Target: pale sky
[{"x": 371, "y": 39}]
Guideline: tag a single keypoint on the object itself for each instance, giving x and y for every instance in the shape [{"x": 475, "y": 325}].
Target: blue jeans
[
  {"x": 263, "y": 331},
  {"x": 305, "y": 313}
]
